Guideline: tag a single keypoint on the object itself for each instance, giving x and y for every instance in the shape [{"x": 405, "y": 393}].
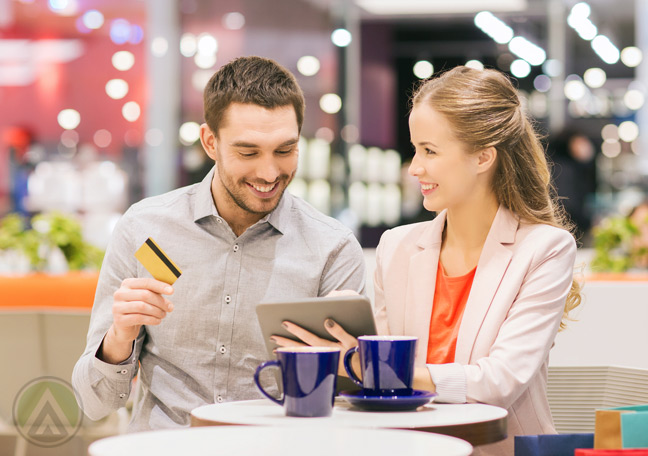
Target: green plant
[
  {"x": 613, "y": 245},
  {"x": 14, "y": 235},
  {"x": 49, "y": 230},
  {"x": 12, "y": 228}
]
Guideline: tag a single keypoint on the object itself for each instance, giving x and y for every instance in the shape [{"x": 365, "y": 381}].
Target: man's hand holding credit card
[
  {"x": 140, "y": 301},
  {"x": 157, "y": 262}
]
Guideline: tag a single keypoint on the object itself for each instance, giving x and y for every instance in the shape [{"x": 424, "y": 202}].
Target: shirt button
[
  {"x": 228, "y": 299},
  {"x": 236, "y": 247},
  {"x": 219, "y": 220},
  {"x": 123, "y": 372},
  {"x": 219, "y": 399},
  {"x": 223, "y": 349},
  {"x": 122, "y": 395}
]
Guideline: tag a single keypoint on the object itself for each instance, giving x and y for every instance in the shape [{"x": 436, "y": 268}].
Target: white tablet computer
[{"x": 353, "y": 313}]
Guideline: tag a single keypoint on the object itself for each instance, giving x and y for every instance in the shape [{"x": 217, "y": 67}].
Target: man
[{"x": 238, "y": 238}]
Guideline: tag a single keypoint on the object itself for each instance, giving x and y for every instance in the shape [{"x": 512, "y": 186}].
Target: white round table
[
  {"x": 477, "y": 424},
  {"x": 279, "y": 441}
]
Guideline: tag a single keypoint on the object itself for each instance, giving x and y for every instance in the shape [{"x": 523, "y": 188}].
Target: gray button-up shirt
[{"x": 207, "y": 349}]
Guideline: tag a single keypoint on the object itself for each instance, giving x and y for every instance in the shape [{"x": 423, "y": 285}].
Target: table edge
[{"x": 476, "y": 433}]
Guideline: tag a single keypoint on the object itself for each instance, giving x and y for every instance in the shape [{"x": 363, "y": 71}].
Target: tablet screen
[{"x": 353, "y": 313}]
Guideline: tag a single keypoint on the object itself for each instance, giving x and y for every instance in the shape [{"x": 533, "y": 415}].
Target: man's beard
[{"x": 239, "y": 199}]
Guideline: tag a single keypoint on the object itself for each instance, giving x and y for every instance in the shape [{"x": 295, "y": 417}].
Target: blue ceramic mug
[
  {"x": 387, "y": 365},
  {"x": 308, "y": 376}
]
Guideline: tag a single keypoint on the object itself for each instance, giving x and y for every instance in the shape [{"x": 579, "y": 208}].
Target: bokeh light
[
  {"x": 93, "y": 19},
  {"x": 69, "y": 119},
  {"x": 123, "y": 60},
  {"x": 120, "y": 31},
  {"x": 633, "y": 99},
  {"x": 70, "y": 138},
  {"x": 611, "y": 148},
  {"x": 189, "y": 133},
  {"x": 330, "y": 103},
  {"x": 57, "y": 5},
  {"x": 188, "y": 44},
  {"x": 131, "y": 111},
  {"x": 159, "y": 46},
  {"x": 610, "y": 132},
  {"x": 205, "y": 61},
  {"x": 325, "y": 134},
  {"x": 207, "y": 44},
  {"x": 341, "y": 37},
  {"x": 136, "y": 34},
  {"x": 594, "y": 77},
  {"x": 308, "y": 65},
  {"x": 542, "y": 83},
  {"x": 102, "y": 138},
  {"x": 575, "y": 89},
  {"x": 520, "y": 68},
  {"x": 117, "y": 89},
  {"x": 628, "y": 131},
  {"x": 233, "y": 21},
  {"x": 552, "y": 68},
  {"x": 423, "y": 69},
  {"x": 64, "y": 7},
  {"x": 350, "y": 134},
  {"x": 476, "y": 64},
  {"x": 631, "y": 56}
]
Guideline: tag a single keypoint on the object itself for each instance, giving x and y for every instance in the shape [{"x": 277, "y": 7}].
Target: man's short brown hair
[{"x": 252, "y": 80}]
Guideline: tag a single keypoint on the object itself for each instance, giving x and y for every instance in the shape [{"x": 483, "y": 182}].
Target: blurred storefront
[{"x": 101, "y": 101}]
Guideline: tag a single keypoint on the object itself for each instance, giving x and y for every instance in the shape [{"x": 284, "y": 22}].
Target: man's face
[{"x": 256, "y": 158}]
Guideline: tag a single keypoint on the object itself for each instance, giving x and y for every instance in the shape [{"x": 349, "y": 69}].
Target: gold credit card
[{"x": 157, "y": 262}]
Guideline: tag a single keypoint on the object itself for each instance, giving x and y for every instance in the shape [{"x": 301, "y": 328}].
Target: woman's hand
[{"x": 345, "y": 341}]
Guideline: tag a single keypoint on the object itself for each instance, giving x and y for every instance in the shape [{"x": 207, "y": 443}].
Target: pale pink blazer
[{"x": 511, "y": 318}]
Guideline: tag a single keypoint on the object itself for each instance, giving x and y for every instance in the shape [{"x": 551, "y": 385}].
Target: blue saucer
[{"x": 388, "y": 403}]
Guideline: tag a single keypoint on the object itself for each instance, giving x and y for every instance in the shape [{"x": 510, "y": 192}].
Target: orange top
[{"x": 450, "y": 296}]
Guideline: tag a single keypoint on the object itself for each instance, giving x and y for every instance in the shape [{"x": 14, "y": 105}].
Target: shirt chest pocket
[{"x": 193, "y": 323}]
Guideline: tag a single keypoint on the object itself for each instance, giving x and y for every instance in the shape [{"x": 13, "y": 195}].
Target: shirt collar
[
  {"x": 204, "y": 204},
  {"x": 205, "y": 207},
  {"x": 280, "y": 217}
]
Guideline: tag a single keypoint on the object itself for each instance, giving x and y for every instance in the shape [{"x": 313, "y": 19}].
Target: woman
[{"x": 486, "y": 284}]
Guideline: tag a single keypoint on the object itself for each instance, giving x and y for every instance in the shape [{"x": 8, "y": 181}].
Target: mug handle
[
  {"x": 348, "y": 368},
  {"x": 258, "y": 384}
]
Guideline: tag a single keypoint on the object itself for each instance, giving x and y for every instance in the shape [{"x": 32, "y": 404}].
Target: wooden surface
[{"x": 477, "y": 424}]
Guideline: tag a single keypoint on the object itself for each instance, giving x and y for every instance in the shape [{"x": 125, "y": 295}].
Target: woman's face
[{"x": 447, "y": 173}]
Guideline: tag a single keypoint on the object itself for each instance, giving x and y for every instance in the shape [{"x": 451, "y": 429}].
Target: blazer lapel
[
  {"x": 493, "y": 263},
  {"x": 420, "y": 286}
]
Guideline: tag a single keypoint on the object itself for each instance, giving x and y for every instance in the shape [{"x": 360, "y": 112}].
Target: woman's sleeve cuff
[{"x": 450, "y": 381}]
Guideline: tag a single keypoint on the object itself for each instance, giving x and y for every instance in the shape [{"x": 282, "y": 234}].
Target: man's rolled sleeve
[{"x": 102, "y": 387}]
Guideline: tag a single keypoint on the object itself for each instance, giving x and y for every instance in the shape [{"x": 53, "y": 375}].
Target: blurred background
[{"x": 101, "y": 100}]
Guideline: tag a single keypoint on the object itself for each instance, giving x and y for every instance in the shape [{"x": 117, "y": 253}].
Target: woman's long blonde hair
[{"x": 484, "y": 109}]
